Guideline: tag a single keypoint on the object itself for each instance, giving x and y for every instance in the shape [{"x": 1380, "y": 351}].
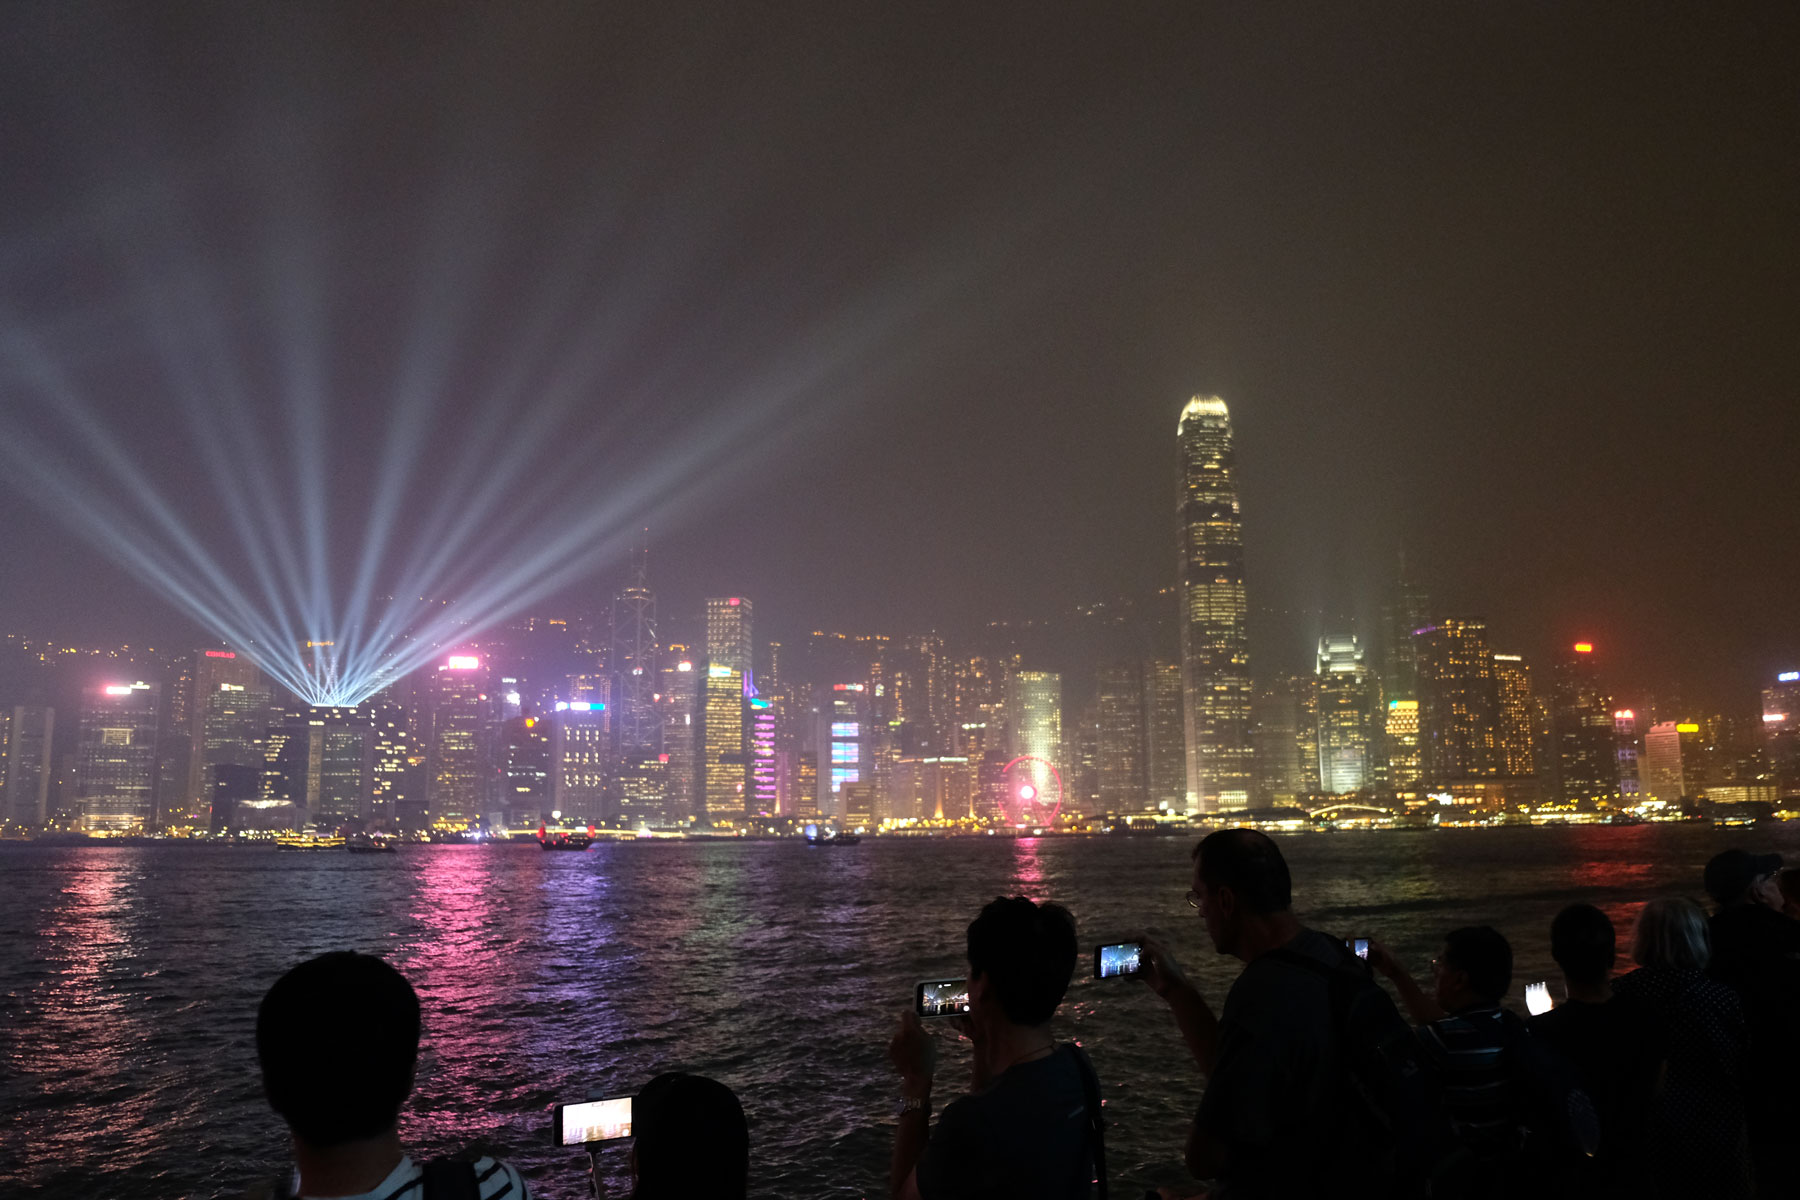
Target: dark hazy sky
[{"x": 1509, "y": 285}]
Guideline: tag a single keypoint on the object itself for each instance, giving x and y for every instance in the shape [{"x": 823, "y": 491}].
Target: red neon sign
[{"x": 220, "y": 654}]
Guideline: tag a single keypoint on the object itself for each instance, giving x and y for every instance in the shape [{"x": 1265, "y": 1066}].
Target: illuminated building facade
[
  {"x": 1034, "y": 721},
  {"x": 396, "y": 768},
  {"x": 634, "y": 657},
  {"x": 526, "y": 773},
  {"x": 846, "y": 756},
  {"x": 1781, "y": 732},
  {"x": 1165, "y": 739},
  {"x": 1120, "y": 741},
  {"x": 806, "y": 784},
  {"x": 115, "y": 758},
  {"x": 30, "y": 733},
  {"x": 339, "y": 764},
  {"x": 456, "y": 740},
  {"x": 1515, "y": 717},
  {"x": 1626, "y": 756},
  {"x": 1408, "y": 608},
  {"x": 1215, "y": 654},
  {"x": 579, "y": 762},
  {"x": 643, "y": 793},
  {"x": 723, "y": 763},
  {"x": 227, "y": 715},
  {"x": 1587, "y": 763},
  {"x": 932, "y": 788},
  {"x": 1345, "y": 693},
  {"x": 1672, "y": 756},
  {"x": 1458, "y": 702},
  {"x": 1403, "y": 748},
  {"x": 728, "y": 642},
  {"x": 680, "y": 716},
  {"x": 763, "y": 798}
]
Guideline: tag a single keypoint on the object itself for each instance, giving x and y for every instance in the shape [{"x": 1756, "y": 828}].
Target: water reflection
[{"x": 1028, "y": 867}]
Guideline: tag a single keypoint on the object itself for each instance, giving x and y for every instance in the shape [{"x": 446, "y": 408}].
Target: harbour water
[{"x": 130, "y": 975}]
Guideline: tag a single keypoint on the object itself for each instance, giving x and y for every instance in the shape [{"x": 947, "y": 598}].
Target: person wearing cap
[{"x": 1756, "y": 953}]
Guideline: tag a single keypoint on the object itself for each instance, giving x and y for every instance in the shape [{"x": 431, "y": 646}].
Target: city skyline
[{"x": 935, "y": 350}]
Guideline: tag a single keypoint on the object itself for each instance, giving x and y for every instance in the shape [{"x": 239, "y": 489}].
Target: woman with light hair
[{"x": 1697, "y": 1118}]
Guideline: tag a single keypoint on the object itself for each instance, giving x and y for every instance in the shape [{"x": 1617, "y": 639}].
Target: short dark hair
[
  {"x": 1584, "y": 944},
  {"x": 690, "y": 1139},
  {"x": 1249, "y": 863},
  {"x": 338, "y": 1037},
  {"x": 1027, "y": 952},
  {"x": 1481, "y": 953}
]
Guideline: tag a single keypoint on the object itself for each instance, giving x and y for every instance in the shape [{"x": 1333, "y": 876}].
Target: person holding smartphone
[{"x": 1029, "y": 1126}]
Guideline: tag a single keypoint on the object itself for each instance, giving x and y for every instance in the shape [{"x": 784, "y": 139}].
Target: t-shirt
[
  {"x": 1025, "y": 1135},
  {"x": 1275, "y": 1093},
  {"x": 495, "y": 1180}
]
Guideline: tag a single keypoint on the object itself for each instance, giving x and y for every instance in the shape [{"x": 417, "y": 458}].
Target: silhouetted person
[
  {"x": 1756, "y": 953},
  {"x": 1698, "y": 1142},
  {"x": 689, "y": 1141},
  {"x": 1030, "y": 1124},
  {"x": 1612, "y": 1045},
  {"x": 338, "y": 1037},
  {"x": 1272, "y": 1121}
]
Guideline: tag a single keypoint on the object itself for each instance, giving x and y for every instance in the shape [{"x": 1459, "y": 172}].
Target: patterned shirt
[
  {"x": 1469, "y": 1050},
  {"x": 495, "y": 1180}
]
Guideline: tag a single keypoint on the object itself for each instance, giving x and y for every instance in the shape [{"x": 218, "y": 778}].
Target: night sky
[{"x": 1509, "y": 286}]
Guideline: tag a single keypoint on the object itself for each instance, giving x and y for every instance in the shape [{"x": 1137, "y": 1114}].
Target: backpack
[
  {"x": 1395, "y": 1097},
  {"x": 1562, "y": 1125}
]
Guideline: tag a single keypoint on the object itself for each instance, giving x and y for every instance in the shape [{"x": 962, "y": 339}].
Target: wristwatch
[{"x": 916, "y": 1104}]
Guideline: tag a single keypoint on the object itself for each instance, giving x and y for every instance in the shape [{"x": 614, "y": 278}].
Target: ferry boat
[
  {"x": 308, "y": 841},
  {"x": 367, "y": 843},
  {"x": 826, "y": 836},
  {"x": 565, "y": 839}
]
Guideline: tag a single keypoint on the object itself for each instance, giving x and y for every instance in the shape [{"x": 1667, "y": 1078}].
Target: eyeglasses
[{"x": 1193, "y": 898}]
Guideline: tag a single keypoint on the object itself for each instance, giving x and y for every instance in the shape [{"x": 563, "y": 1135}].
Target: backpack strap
[
  {"x": 1090, "y": 1088},
  {"x": 447, "y": 1179}
]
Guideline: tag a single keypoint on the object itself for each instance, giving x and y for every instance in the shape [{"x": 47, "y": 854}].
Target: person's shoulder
[{"x": 498, "y": 1180}]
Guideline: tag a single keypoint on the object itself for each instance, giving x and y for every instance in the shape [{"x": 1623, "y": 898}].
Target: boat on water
[
  {"x": 366, "y": 843},
  {"x": 308, "y": 841},
  {"x": 565, "y": 839},
  {"x": 826, "y": 837}
]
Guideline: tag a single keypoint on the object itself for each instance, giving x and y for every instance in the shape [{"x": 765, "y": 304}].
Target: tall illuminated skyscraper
[
  {"x": 1515, "y": 716},
  {"x": 1165, "y": 744},
  {"x": 723, "y": 773},
  {"x": 228, "y": 714},
  {"x": 1346, "y": 703},
  {"x": 28, "y": 766},
  {"x": 1458, "y": 702},
  {"x": 680, "y": 736},
  {"x": 1781, "y": 731},
  {"x": 846, "y": 756},
  {"x": 728, "y": 642},
  {"x": 1121, "y": 742},
  {"x": 115, "y": 758},
  {"x": 634, "y": 717},
  {"x": 456, "y": 737},
  {"x": 1215, "y": 654},
  {"x": 1403, "y": 748},
  {"x": 580, "y": 767},
  {"x": 1287, "y": 739},
  {"x": 1582, "y": 721}
]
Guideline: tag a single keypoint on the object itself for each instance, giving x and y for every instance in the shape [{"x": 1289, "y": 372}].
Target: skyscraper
[
  {"x": 728, "y": 641},
  {"x": 580, "y": 767},
  {"x": 1215, "y": 655},
  {"x": 1165, "y": 741},
  {"x": 1408, "y": 608},
  {"x": 1458, "y": 702},
  {"x": 1672, "y": 750},
  {"x": 1625, "y": 741},
  {"x": 456, "y": 740},
  {"x": 1515, "y": 717},
  {"x": 1287, "y": 740},
  {"x": 115, "y": 763},
  {"x": 1403, "y": 748},
  {"x": 845, "y": 756},
  {"x": 1121, "y": 742},
  {"x": 1587, "y": 763},
  {"x": 1781, "y": 731},
  {"x": 680, "y": 715},
  {"x": 723, "y": 773},
  {"x": 634, "y": 650},
  {"x": 28, "y": 767},
  {"x": 228, "y": 714},
  {"x": 1346, "y": 705}
]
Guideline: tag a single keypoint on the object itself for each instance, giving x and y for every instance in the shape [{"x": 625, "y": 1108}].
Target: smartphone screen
[
  {"x": 1537, "y": 998},
  {"x": 1360, "y": 947},
  {"x": 592, "y": 1121},
  {"x": 1118, "y": 960},
  {"x": 942, "y": 997}
]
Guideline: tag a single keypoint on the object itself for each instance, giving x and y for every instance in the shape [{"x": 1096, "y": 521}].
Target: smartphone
[
  {"x": 1118, "y": 960},
  {"x": 591, "y": 1121},
  {"x": 1360, "y": 947},
  {"x": 942, "y": 998},
  {"x": 1537, "y": 998}
]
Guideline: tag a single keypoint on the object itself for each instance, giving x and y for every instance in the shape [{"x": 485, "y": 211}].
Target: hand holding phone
[
  {"x": 1537, "y": 998},
  {"x": 1360, "y": 948},
  {"x": 591, "y": 1121},
  {"x": 1118, "y": 960},
  {"x": 942, "y": 998}
]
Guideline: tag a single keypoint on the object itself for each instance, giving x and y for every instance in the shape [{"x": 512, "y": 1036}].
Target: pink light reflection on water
[{"x": 1028, "y": 867}]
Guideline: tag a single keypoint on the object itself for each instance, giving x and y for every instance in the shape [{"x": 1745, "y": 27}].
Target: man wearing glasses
[{"x": 1271, "y": 1121}]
